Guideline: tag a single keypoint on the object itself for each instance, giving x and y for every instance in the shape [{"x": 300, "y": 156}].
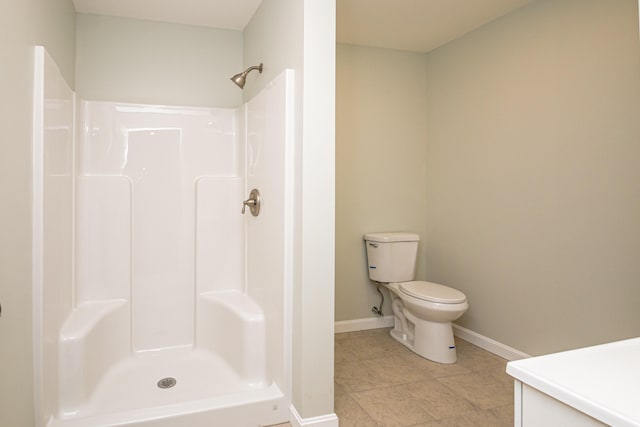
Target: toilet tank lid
[{"x": 392, "y": 237}]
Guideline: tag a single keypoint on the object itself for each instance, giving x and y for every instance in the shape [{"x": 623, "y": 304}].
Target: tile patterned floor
[{"x": 379, "y": 382}]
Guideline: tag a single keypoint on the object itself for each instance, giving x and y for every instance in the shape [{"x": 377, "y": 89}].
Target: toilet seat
[{"x": 434, "y": 292}]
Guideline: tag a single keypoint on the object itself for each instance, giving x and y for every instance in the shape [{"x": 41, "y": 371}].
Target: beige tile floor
[{"x": 379, "y": 382}]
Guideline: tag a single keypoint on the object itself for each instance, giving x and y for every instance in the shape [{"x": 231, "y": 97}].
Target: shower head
[{"x": 241, "y": 78}]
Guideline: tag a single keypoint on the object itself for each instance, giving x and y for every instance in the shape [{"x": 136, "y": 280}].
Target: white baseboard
[
  {"x": 363, "y": 324},
  {"x": 474, "y": 338},
  {"x": 489, "y": 344},
  {"x": 329, "y": 420}
]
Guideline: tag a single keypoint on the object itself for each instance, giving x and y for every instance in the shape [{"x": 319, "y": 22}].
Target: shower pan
[{"x": 157, "y": 303}]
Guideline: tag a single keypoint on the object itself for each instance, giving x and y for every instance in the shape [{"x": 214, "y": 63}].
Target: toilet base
[
  {"x": 434, "y": 341},
  {"x": 431, "y": 340}
]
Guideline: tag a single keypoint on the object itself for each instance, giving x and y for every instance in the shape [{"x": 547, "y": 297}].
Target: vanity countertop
[{"x": 602, "y": 381}]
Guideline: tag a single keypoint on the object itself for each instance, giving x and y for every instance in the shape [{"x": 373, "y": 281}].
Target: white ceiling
[{"x": 416, "y": 25}]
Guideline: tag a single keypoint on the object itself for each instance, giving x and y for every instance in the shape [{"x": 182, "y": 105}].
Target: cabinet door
[{"x": 541, "y": 410}]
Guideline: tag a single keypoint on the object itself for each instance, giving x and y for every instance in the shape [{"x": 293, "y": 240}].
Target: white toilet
[{"x": 423, "y": 311}]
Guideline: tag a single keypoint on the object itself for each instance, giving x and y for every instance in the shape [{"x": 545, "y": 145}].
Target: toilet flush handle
[{"x": 375, "y": 245}]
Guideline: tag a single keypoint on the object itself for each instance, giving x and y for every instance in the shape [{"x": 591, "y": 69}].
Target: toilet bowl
[
  {"x": 423, "y": 311},
  {"x": 427, "y": 329}
]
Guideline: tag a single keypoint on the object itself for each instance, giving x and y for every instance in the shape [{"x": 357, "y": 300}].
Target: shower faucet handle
[
  {"x": 253, "y": 202},
  {"x": 248, "y": 202}
]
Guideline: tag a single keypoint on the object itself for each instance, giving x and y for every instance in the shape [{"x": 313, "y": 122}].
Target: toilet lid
[{"x": 432, "y": 292}]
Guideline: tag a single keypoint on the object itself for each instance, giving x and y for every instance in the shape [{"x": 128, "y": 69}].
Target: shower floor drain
[{"x": 167, "y": 382}]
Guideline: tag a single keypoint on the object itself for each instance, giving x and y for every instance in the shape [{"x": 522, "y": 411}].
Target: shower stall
[{"x": 157, "y": 302}]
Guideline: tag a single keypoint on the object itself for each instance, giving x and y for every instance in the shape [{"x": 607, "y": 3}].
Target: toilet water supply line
[{"x": 375, "y": 309}]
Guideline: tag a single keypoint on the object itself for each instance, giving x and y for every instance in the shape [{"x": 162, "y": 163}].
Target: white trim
[
  {"x": 289, "y": 232},
  {"x": 37, "y": 229},
  {"x": 329, "y": 420},
  {"x": 517, "y": 403},
  {"x": 489, "y": 344},
  {"x": 363, "y": 324},
  {"x": 474, "y": 338}
]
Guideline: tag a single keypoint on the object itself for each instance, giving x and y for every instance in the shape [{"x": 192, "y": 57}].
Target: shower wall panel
[
  {"x": 103, "y": 244},
  {"x": 143, "y": 172},
  {"x": 270, "y": 136},
  {"x": 219, "y": 235},
  {"x": 52, "y": 223}
]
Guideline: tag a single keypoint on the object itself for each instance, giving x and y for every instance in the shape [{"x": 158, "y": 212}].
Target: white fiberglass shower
[{"x": 157, "y": 302}]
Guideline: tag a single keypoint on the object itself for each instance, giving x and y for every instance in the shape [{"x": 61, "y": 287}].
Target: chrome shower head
[{"x": 241, "y": 78}]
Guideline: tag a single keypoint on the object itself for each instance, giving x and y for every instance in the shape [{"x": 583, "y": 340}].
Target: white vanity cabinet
[
  {"x": 540, "y": 409},
  {"x": 594, "y": 386}
]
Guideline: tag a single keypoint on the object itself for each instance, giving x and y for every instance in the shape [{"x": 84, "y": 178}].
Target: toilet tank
[{"x": 391, "y": 257}]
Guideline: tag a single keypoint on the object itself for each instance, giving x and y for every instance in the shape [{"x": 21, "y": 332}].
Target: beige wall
[
  {"x": 23, "y": 24},
  {"x": 277, "y": 50},
  {"x": 130, "y": 60},
  {"x": 380, "y": 163},
  {"x": 531, "y": 157},
  {"x": 533, "y": 165}
]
